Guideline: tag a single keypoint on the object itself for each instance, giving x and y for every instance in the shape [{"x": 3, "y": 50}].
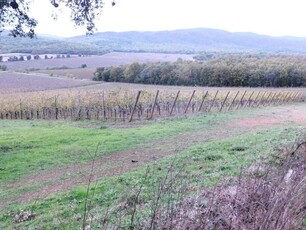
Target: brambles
[{"x": 263, "y": 196}]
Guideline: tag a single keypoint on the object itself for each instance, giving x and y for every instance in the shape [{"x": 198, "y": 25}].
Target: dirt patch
[
  {"x": 254, "y": 122},
  {"x": 280, "y": 116}
]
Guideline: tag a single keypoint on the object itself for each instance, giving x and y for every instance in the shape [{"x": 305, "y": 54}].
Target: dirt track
[{"x": 117, "y": 163}]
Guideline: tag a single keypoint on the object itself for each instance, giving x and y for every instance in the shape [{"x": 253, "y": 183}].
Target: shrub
[{"x": 3, "y": 67}]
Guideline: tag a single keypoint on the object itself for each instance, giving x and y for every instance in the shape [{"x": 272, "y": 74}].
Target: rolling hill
[
  {"x": 176, "y": 41},
  {"x": 46, "y": 44}
]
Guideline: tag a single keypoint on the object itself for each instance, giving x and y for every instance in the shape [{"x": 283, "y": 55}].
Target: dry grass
[{"x": 263, "y": 197}]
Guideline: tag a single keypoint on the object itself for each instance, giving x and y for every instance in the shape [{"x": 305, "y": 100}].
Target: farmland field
[
  {"x": 110, "y": 59},
  {"x": 70, "y": 159},
  {"x": 13, "y": 82}
]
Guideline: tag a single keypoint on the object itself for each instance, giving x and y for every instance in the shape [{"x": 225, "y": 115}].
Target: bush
[{"x": 3, "y": 67}]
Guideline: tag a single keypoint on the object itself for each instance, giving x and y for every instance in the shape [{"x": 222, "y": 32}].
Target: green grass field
[{"x": 38, "y": 155}]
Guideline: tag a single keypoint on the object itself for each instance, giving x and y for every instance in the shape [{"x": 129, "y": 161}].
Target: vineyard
[{"x": 126, "y": 105}]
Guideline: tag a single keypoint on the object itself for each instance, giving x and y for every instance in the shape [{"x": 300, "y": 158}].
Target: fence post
[
  {"x": 233, "y": 101},
  {"x": 155, "y": 102},
  {"x": 202, "y": 102},
  {"x": 224, "y": 101},
  {"x": 177, "y": 95},
  {"x": 189, "y": 101},
  {"x": 213, "y": 101},
  {"x": 135, "y": 105}
]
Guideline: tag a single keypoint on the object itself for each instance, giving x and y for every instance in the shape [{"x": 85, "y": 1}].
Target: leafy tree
[
  {"x": 102, "y": 74},
  {"x": 1, "y": 58},
  {"x": 289, "y": 71},
  {"x": 132, "y": 71},
  {"x": 29, "y": 57},
  {"x": 13, "y": 58},
  {"x": 14, "y": 13},
  {"x": 116, "y": 74}
]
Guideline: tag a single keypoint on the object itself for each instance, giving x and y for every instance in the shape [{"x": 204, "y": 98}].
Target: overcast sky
[{"x": 270, "y": 17}]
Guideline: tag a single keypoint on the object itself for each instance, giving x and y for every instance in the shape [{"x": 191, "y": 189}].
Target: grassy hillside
[{"x": 46, "y": 164}]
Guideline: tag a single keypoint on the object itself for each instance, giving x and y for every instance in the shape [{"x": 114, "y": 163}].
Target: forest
[{"x": 214, "y": 70}]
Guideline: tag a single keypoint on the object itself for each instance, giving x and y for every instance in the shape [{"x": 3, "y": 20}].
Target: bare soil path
[{"x": 61, "y": 180}]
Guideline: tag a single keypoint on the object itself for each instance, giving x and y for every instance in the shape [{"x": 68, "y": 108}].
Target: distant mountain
[
  {"x": 176, "y": 41},
  {"x": 46, "y": 44},
  {"x": 193, "y": 41}
]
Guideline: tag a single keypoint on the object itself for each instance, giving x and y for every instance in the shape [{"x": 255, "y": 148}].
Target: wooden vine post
[
  {"x": 299, "y": 97},
  {"x": 290, "y": 97},
  {"x": 285, "y": 98},
  {"x": 267, "y": 99},
  {"x": 223, "y": 103},
  {"x": 177, "y": 95},
  {"x": 135, "y": 105},
  {"x": 154, "y": 104},
  {"x": 254, "y": 102},
  {"x": 233, "y": 101},
  {"x": 294, "y": 97},
  {"x": 20, "y": 109},
  {"x": 56, "y": 108},
  {"x": 186, "y": 109},
  {"x": 213, "y": 101},
  {"x": 278, "y": 99},
  {"x": 241, "y": 100},
  {"x": 261, "y": 98},
  {"x": 272, "y": 98},
  {"x": 202, "y": 102},
  {"x": 249, "y": 100}
]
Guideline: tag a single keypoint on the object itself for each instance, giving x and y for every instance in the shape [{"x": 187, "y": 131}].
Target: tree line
[{"x": 236, "y": 71}]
